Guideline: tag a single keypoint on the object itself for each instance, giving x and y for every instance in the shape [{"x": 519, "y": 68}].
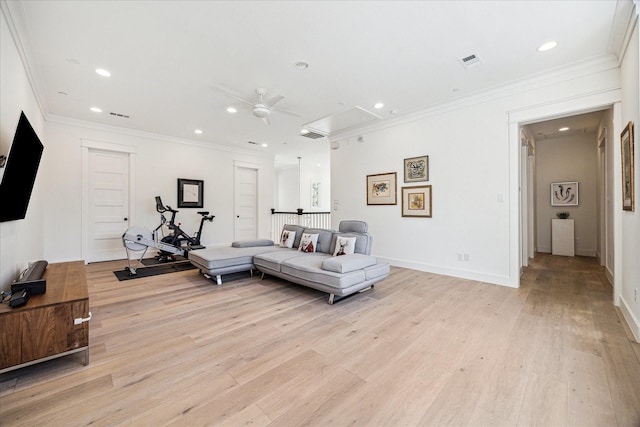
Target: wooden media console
[{"x": 50, "y": 325}]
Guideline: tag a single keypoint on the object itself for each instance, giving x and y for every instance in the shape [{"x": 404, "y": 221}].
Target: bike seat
[{"x": 203, "y": 213}]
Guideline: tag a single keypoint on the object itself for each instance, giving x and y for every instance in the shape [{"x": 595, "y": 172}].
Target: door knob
[{"x": 126, "y": 219}]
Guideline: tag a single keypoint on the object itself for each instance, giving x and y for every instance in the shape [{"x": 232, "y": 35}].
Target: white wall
[
  {"x": 159, "y": 163},
  {"x": 571, "y": 158},
  {"x": 474, "y": 170},
  {"x": 20, "y": 241},
  {"x": 630, "y": 245}
]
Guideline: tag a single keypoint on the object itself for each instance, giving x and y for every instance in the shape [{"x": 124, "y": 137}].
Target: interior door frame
[
  {"x": 86, "y": 146},
  {"x": 583, "y": 104}
]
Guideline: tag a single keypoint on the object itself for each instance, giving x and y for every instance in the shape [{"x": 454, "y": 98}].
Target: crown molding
[
  {"x": 13, "y": 13},
  {"x": 51, "y": 118},
  {"x": 625, "y": 21}
]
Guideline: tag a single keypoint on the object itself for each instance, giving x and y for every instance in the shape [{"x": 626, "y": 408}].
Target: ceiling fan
[{"x": 262, "y": 108}]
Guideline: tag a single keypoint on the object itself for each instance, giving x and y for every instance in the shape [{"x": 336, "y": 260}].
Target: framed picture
[
  {"x": 382, "y": 189},
  {"x": 416, "y": 169},
  {"x": 190, "y": 193},
  {"x": 564, "y": 193},
  {"x": 416, "y": 201},
  {"x": 626, "y": 139}
]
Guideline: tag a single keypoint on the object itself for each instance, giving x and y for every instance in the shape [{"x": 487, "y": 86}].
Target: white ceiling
[
  {"x": 579, "y": 124},
  {"x": 171, "y": 61}
]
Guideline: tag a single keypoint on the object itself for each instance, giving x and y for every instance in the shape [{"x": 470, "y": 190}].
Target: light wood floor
[{"x": 419, "y": 349}]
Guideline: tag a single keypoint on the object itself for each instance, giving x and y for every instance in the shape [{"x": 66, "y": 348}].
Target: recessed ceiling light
[
  {"x": 198, "y": 131},
  {"x": 231, "y": 110},
  {"x": 96, "y": 109},
  {"x": 304, "y": 132},
  {"x": 103, "y": 72},
  {"x": 301, "y": 65},
  {"x": 264, "y": 144},
  {"x": 547, "y": 46},
  {"x": 378, "y": 105},
  {"x": 563, "y": 129}
]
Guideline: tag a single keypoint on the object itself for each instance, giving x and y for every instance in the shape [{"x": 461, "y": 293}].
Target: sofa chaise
[{"x": 338, "y": 263}]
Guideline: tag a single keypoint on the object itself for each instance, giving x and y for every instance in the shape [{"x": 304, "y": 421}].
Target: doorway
[
  {"x": 107, "y": 208},
  {"x": 246, "y": 203},
  {"x": 567, "y": 150}
]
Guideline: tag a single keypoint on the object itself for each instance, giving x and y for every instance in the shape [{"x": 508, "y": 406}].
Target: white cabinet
[{"x": 562, "y": 240}]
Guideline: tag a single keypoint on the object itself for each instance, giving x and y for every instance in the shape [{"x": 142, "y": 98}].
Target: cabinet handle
[{"x": 80, "y": 320}]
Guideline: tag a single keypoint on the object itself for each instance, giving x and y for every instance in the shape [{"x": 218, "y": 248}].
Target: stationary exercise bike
[
  {"x": 178, "y": 242},
  {"x": 178, "y": 237}
]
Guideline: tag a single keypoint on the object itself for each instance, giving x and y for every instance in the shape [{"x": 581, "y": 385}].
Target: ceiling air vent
[
  {"x": 312, "y": 135},
  {"x": 124, "y": 116},
  {"x": 470, "y": 60}
]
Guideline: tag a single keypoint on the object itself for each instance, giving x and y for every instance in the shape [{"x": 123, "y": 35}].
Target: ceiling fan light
[{"x": 261, "y": 111}]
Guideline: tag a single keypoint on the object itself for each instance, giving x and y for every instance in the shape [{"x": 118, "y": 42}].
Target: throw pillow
[
  {"x": 286, "y": 238},
  {"x": 308, "y": 243},
  {"x": 344, "y": 246}
]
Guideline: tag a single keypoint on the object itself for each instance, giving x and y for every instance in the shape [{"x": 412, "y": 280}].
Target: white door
[
  {"x": 246, "y": 205},
  {"x": 108, "y": 204}
]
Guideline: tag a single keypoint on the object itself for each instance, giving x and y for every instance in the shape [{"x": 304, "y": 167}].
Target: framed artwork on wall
[
  {"x": 626, "y": 139},
  {"x": 564, "y": 193},
  {"x": 382, "y": 189},
  {"x": 416, "y": 169},
  {"x": 416, "y": 201},
  {"x": 190, "y": 193}
]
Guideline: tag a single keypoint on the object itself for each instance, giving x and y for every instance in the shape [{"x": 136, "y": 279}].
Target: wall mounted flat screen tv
[{"x": 20, "y": 172}]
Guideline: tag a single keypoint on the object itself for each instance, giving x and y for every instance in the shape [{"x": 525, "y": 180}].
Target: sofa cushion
[
  {"x": 324, "y": 239},
  {"x": 353, "y": 226},
  {"x": 273, "y": 260},
  {"x": 308, "y": 267},
  {"x": 251, "y": 243},
  {"x": 287, "y": 237},
  {"x": 377, "y": 271},
  {"x": 348, "y": 263},
  {"x": 219, "y": 257},
  {"x": 344, "y": 246}
]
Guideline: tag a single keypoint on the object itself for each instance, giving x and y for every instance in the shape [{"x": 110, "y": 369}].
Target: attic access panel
[{"x": 354, "y": 117}]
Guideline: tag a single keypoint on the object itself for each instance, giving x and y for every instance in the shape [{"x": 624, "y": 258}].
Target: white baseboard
[
  {"x": 586, "y": 252},
  {"x": 454, "y": 272},
  {"x": 633, "y": 323}
]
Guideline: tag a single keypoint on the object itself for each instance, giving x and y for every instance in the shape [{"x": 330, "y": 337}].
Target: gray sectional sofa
[{"x": 339, "y": 276}]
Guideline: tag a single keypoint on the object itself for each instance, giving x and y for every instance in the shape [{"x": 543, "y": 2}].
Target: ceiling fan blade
[
  {"x": 230, "y": 95},
  {"x": 273, "y": 101},
  {"x": 290, "y": 113}
]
